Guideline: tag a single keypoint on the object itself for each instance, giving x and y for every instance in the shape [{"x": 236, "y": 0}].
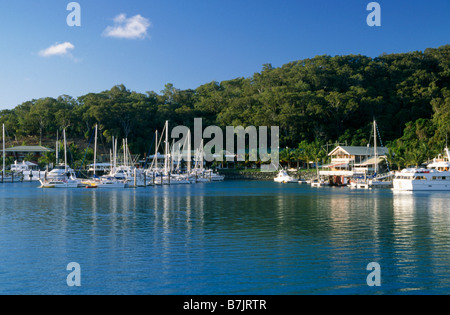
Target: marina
[{"x": 225, "y": 154}]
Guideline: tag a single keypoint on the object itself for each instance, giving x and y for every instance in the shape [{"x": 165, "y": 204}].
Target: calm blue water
[{"x": 223, "y": 238}]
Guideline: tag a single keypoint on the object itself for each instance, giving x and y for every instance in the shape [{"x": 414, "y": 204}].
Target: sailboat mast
[
  {"x": 115, "y": 153},
  {"x": 375, "y": 145},
  {"x": 57, "y": 147},
  {"x": 156, "y": 150},
  {"x": 172, "y": 153},
  {"x": 95, "y": 149},
  {"x": 126, "y": 151},
  {"x": 4, "y": 152},
  {"x": 65, "y": 151},
  {"x": 113, "y": 159},
  {"x": 189, "y": 158},
  {"x": 124, "y": 156},
  {"x": 166, "y": 160}
]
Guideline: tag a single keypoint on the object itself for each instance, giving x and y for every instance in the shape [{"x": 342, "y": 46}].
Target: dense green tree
[{"x": 313, "y": 101}]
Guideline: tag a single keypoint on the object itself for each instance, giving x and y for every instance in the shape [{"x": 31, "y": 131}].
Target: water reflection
[
  {"x": 421, "y": 238},
  {"x": 229, "y": 238}
]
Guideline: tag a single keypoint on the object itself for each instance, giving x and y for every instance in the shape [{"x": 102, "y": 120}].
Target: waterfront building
[
  {"x": 350, "y": 161},
  {"x": 19, "y": 153}
]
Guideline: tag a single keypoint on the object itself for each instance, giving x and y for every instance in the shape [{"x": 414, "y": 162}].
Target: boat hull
[{"x": 419, "y": 185}]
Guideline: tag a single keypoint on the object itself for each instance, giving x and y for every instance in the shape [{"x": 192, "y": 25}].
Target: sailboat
[
  {"x": 163, "y": 176},
  {"x": 106, "y": 181},
  {"x": 378, "y": 181},
  {"x": 61, "y": 176}
]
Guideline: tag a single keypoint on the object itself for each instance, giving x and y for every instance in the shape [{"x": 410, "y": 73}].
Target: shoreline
[{"x": 262, "y": 176}]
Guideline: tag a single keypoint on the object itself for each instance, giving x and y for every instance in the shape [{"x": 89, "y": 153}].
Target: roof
[
  {"x": 29, "y": 149},
  {"x": 353, "y": 150},
  {"x": 371, "y": 161}
]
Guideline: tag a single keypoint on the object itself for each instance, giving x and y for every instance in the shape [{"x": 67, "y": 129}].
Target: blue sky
[{"x": 192, "y": 42}]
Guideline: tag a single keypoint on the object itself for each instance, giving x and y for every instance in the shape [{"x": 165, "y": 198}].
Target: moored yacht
[
  {"x": 284, "y": 177},
  {"x": 62, "y": 176},
  {"x": 436, "y": 177},
  {"x": 105, "y": 181},
  {"x": 27, "y": 170}
]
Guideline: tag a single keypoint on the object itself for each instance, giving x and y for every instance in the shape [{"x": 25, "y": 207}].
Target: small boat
[
  {"x": 92, "y": 185},
  {"x": 59, "y": 184},
  {"x": 47, "y": 185},
  {"x": 315, "y": 184},
  {"x": 284, "y": 177},
  {"x": 319, "y": 183},
  {"x": 359, "y": 183},
  {"x": 362, "y": 185}
]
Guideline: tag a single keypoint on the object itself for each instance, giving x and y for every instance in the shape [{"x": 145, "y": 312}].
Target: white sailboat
[
  {"x": 105, "y": 181},
  {"x": 378, "y": 181},
  {"x": 369, "y": 181},
  {"x": 61, "y": 176},
  {"x": 126, "y": 173}
]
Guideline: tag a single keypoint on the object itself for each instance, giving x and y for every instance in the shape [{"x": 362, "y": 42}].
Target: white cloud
[
  {"x": 57, "y": 50},
  {"x": 130, "y": 28}
]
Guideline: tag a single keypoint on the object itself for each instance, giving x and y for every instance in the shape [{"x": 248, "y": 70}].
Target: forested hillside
[{"x": 318, "y": 100}]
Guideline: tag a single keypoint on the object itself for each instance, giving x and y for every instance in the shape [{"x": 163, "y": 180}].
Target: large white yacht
[{"x": 436, "y": 177}]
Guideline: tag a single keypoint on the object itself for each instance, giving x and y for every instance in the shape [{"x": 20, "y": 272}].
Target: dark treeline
[{"x": 318, "y": 100}]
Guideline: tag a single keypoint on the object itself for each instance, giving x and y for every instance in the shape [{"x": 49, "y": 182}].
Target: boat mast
[
  {"x": 95, "y": 149},
  {"x": 115, "y": 152},
  {"x": 201, "y": 153},
  {"x": 65, "y": 151},
  {"x": 375, "y": 145},
  {"x": 113, "y": 155},
  {"x": 189, "y": 158},
  {"x": 166, "y": 160},
  {"x": 172, "y": 154},
  {"x": 124, "y": 157},
  {"x": 126, "y": 152},
  {"x": 4, "y": 152},
  {"x": 111, "y": 160},
  {"x": 155, "y": 159},
  {"x": 57, "y": 147}
]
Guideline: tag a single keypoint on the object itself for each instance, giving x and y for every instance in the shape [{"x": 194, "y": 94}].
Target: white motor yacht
[{"x": 436, "y": 177}]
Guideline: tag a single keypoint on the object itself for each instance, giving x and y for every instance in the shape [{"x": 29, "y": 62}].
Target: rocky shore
[{"x": 246, "y": 175}]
